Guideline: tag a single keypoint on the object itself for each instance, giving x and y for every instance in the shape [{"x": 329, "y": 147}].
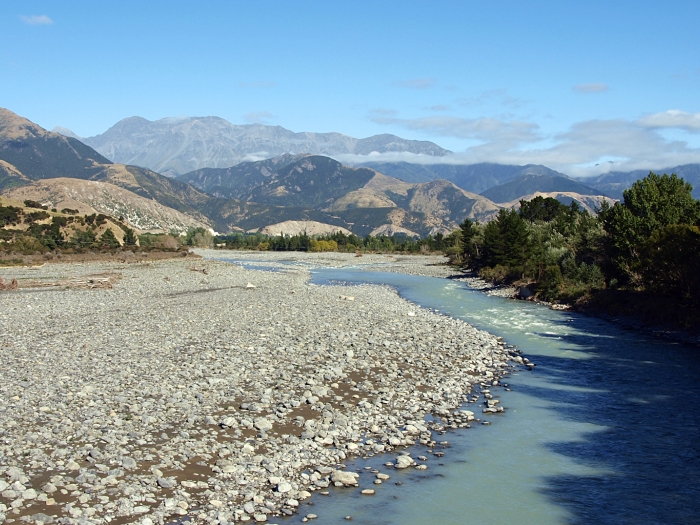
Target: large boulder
[
  {"x": 349, "y": 479},
  {"x": 404, "y": 462},
  {"x": 263, "y": 424}
]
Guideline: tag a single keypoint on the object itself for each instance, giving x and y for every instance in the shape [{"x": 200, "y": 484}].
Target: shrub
[
  {"x": 550, "y": 284},
  {"x": 10, "y": 215},
  {"x": 34, "y": 204},
  {"x": 167, "y": 242},
  {"x": 199, "y": 237},
  {"x": 498, "y": 274},
  {"x": 36, "y": 216}
]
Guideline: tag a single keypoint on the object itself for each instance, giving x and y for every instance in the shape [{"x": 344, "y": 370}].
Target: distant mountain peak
[
  {"x": 177, "y": 145},
  {"x": 65, "y": 132}
]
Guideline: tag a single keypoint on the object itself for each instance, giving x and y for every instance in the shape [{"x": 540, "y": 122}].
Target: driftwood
[
  {"x": 12, "y": 285},
  {"x": 201, "y": 270},
  {"x": 90, "y": 282}
]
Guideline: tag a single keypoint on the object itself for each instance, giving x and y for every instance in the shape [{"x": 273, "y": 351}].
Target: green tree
[
  {"x": 549, "y": 285},
  {"x": 469, "y": 231},
  {"x": 108, "y": 239},
  {"x": 541, "y": 209},
  {"x": 506, "y": 241},
  {"x": 199, "y": 237},
  {"x": 84, "y": 239},
  {"x": 129, "y": 237},
  {"x": 649, "y": 205},
  {"x": 670, "y": 261}
]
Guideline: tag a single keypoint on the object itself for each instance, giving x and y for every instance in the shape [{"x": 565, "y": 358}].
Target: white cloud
[
  {"x": 587, "y": 148},
  {"x": 486, "y": 129},
  {"x": 439, "y": 107},
  {"x": 383, "y": 112},
  {"x": 257, "y": 156},
  {"x": 673, "y": 118},
  {"x": 591, "y": 88},
  {"x": 499, "y": 96},
  {"x": 36, "y": 20},
  {"x": 258, "y": 117},
  {"x": 416, "y": 83}
]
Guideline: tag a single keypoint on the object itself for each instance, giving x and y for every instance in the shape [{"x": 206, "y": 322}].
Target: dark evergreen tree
[
  {"x": 108, "y": 239},
  {"x": 129, "y": 237},
  {"x": 470, "y": 248}
]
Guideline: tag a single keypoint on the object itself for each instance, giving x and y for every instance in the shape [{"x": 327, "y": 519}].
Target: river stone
[
  {"x": 229, "y": 422},
  {"x": 129, "y": 463},
  {"x": 284, "y": 487},
  {"x": 262, "y": 424},
  {"x": 411, "y": 429},
  {"x": 166, "y": 483},
  {"x": 404, "y": 462},
  {"x": 346, "y": 478}
]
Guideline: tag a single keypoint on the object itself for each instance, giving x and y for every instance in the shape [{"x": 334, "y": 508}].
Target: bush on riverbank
[{"x": 647, "y": 243}]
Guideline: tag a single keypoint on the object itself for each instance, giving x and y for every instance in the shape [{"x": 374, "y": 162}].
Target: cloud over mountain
[{"x": 673, "y": 118}]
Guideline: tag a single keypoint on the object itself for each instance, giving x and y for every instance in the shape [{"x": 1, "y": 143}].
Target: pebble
[{"x": 223, "y": 389}]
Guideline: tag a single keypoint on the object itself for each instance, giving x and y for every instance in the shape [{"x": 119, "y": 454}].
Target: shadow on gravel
[{"x": 651, "y": 444}]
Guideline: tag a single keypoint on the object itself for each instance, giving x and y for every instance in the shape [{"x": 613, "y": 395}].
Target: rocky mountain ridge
[
  {"x": 320, "y": 182},
  {"x": 173, "y": 146}
]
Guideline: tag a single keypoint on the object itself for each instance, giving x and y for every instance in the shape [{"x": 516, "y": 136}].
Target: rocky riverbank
[{"x": 224, "y": 394}]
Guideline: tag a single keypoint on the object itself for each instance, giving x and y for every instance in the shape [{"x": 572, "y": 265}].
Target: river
[{"x": 604, "y": 430}]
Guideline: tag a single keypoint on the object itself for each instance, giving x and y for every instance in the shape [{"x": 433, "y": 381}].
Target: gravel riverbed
[{"x": 225, "y": 396}]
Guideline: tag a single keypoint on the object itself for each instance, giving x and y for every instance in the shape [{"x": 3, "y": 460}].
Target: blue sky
[{"x": 565, "y": 84}]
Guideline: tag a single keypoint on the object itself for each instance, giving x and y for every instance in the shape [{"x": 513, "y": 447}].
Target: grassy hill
[{"x": 88, "y": 197}]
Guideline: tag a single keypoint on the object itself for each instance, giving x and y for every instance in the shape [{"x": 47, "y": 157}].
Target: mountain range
[
  {"x": 376, "y": 198},
  {"x": 174, "y": 146},
  {"x": 311, "y": 188}
]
